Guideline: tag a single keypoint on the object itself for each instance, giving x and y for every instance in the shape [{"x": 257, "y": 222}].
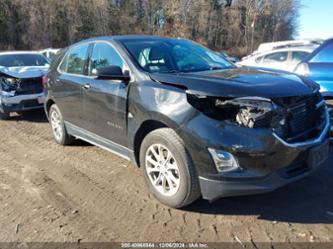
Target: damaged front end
[
  {"x": 293, "y": 119},
  {"x": 20, "y": 94},
  {"x": 249, "y": 112},
  {"x": 8, "y": 86},
  {"x": 258, "y": 144}
]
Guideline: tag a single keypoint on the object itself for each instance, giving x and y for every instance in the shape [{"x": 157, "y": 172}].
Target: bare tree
[{"x": 237, "y": 26}]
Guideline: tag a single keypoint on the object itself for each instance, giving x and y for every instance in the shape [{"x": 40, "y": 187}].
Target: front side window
[
  {"x": 298, "y": 56},
  {"x": 325, "y": 55},
  {"x": 104, "y": 55},
  {"x": 75, "y": 60},
  {"x": 276, "y": 57},
  {"x": 162, "y": 56}
]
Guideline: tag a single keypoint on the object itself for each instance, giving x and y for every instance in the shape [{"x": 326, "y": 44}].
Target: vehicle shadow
[
  {"x": 34, "y": 116},
  {"x": 309, "y": 200},
  {"x": 80, "y": 143}
]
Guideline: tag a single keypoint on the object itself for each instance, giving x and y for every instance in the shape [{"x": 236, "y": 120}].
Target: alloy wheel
[
  {"x": 56, "y": 125},
  {"x": 162, "y": 169}
]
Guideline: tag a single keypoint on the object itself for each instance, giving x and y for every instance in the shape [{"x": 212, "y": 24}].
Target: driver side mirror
[{"x": 112, "y": 73}]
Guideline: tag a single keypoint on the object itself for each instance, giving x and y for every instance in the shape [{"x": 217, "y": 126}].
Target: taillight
[{"x": 44, "y": 80}]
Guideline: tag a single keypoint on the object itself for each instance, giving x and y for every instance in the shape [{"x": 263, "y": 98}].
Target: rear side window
[
  {"x": 325, "y": 55},
  {"x": 298, "y": 56},
  {"x": 104, "y": 55},
  {"x": 75, "y": 60},
  {"x": 276, "y": 57}
]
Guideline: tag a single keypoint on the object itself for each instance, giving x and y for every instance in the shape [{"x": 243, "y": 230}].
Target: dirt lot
[{"x": 81, "y": 192}]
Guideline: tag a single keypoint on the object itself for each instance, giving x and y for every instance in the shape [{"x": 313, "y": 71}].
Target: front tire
[
  {"x": 168, "y": 168},
  {"x": 58, "y": 127}
]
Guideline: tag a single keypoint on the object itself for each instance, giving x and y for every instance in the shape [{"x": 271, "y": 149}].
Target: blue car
[{"x": 318, "y": 66}]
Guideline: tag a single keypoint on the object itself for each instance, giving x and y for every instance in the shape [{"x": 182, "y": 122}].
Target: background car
[
  {"x": 22, "y": 76},
  {"x": 49, "y": 52},
  {"x": 228, "y": 57},
  {"x": 285, "y": 59},
  {"x": 319, "y": 67}
]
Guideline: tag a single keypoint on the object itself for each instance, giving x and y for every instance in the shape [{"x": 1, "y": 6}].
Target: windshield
[
  {"x": 161, "y": 56},
  {"x": 22, "y": 60}
]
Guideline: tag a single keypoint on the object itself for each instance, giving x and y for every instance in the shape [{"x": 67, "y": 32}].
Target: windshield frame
[{"x": 226, "y": 64}]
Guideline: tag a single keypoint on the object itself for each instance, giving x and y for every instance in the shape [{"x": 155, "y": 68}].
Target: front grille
[
  {"x": 30, "y": 103},
  {"x": 29, "y": 86},
  {"x": 304, "y": 118}
]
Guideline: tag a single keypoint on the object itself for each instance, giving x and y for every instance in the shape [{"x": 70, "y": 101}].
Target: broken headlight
[
  {"x": 8, "y": 84},
  {"x": 251, "y": 112}
]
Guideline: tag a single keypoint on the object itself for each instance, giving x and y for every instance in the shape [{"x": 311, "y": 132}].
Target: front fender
[{"x": 158, "y": 102}]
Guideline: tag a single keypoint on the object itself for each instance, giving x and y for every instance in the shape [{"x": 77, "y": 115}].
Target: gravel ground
[{"x": 83, "y": 193}]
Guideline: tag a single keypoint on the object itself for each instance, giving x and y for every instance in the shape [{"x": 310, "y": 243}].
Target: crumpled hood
[
  {"x": 240, "y": 82},
  {"x": 24, "y": 72}
]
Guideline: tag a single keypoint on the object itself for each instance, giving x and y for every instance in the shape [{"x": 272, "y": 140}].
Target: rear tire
[
  {"x": 4, "y": 115},
  {"x": 329, "y": 103},
  {"x": 60, "y": 133},
  {"x": 168, "y": 168}
]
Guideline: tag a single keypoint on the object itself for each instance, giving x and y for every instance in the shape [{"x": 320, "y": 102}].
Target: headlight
[
  {"x": 8, "y": 84},
  {"x": 251, "y": 112},
  {"x": 302, "y": 69}
]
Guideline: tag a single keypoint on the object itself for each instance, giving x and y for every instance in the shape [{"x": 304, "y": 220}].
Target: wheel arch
[
  {"x": 48, "y": 105},
  {"x": 145, "y": 128}
]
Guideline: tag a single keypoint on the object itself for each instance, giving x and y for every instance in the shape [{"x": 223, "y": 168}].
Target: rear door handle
[{"x": 86, "y": 86}]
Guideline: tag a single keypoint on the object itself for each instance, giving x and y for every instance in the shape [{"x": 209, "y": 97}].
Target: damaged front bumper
[
  {"x": 266, "y": 162},
  {"x": 213, "y": 189},
  {"x": 18, "y": 103}
]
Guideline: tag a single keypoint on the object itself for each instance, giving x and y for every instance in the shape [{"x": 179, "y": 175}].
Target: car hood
[
  {"x": 240, "y": 82},
  {"x": 23, "y": 72}
]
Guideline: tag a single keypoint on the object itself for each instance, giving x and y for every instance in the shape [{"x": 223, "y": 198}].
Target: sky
[{"x": 316, "y": 19}]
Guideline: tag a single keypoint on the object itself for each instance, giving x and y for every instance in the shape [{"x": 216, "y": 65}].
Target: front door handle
[{"x": 86, "y": 86}]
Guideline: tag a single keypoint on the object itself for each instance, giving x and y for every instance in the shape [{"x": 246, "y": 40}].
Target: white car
[
  {"x": 49, "y": 52},
  {"x": 285, "y": 59},
  {"x": 22, "y": 78}
]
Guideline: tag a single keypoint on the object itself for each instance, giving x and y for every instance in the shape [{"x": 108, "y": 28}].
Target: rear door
[
  {"x": 105, "y": 101},
  {"x": 67, "y": 85}
]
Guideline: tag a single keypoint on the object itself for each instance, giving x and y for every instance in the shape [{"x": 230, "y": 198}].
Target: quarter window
[
  {"x": 276, "y": 57},
  {"x": 75, "y": 60},
  {"x": 104, "y": 55}
]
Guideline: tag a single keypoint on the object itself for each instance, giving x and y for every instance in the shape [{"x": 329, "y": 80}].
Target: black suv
[{"x": 196, "y": 124}]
